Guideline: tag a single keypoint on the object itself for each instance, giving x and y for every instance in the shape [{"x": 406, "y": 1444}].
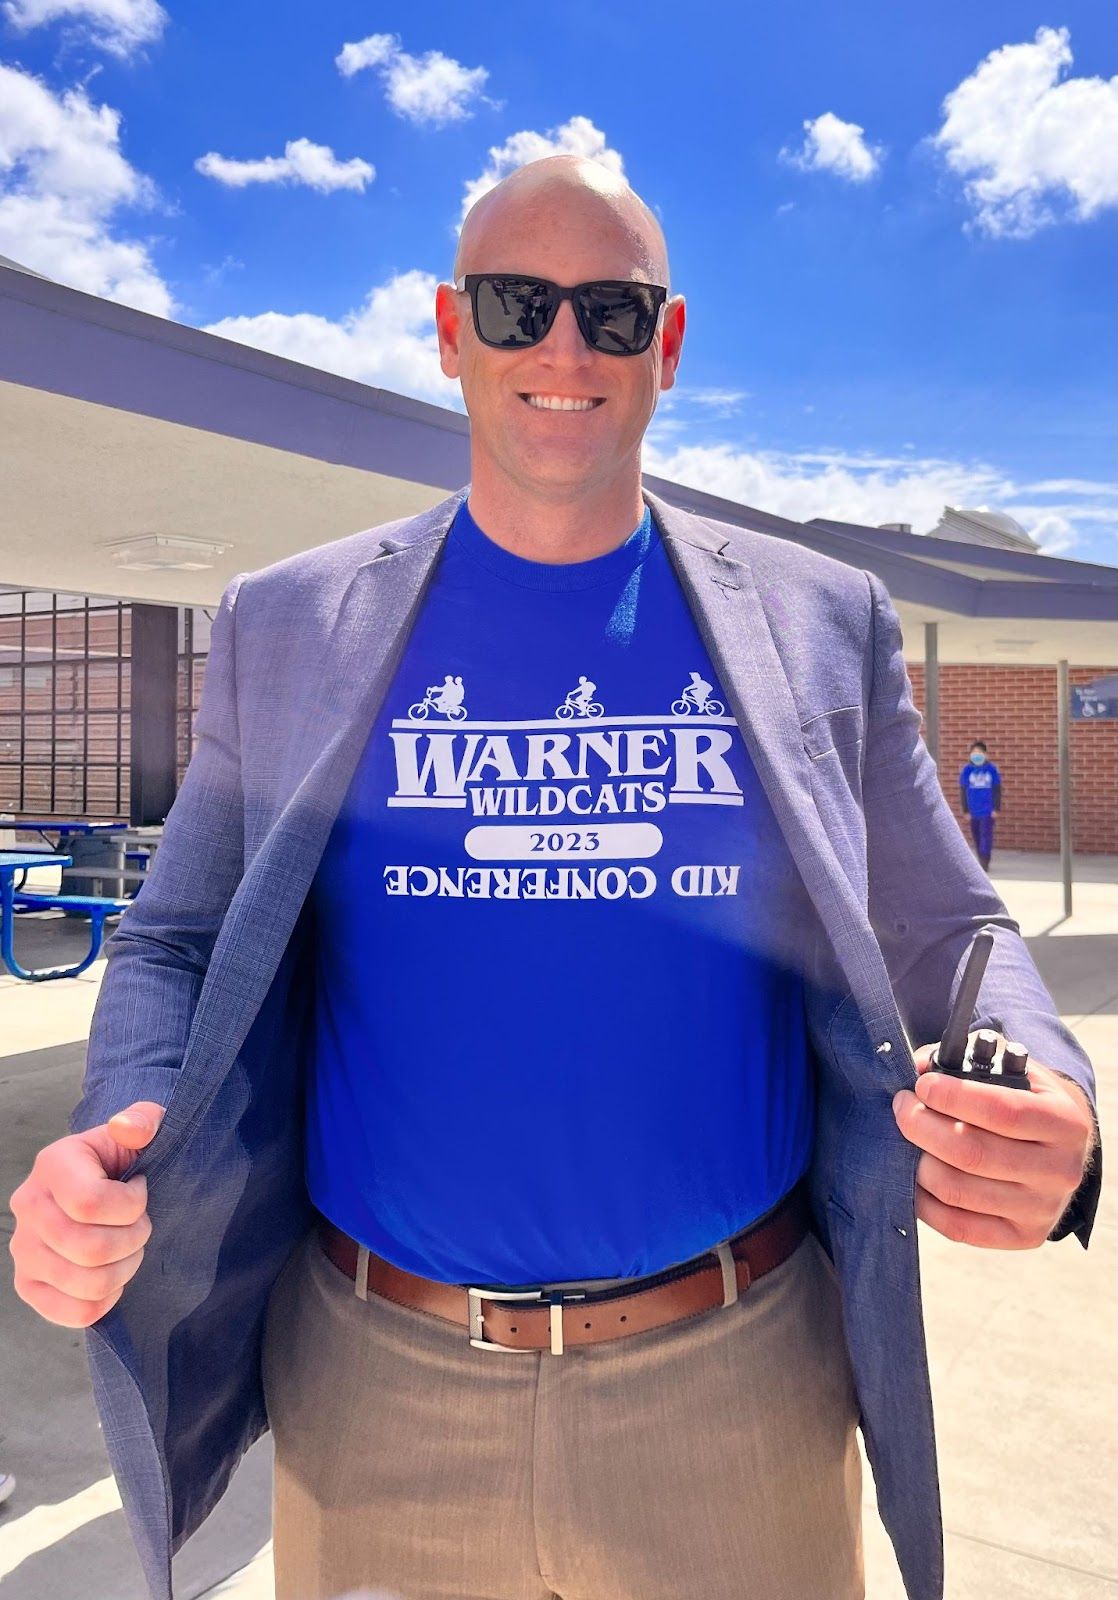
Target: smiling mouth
[{"x": 562, "y": 403}]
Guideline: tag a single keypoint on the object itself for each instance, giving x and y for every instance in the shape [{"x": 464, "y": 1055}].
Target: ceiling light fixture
[{"x": 165, "y": 552}]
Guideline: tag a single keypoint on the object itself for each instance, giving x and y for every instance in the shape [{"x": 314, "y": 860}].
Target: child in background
[{"x": 981, "y": 785}]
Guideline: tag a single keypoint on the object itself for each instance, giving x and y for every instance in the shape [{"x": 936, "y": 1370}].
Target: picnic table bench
[
  {"x": 96, "y": 907},
  {"x": 98, "y": 876}
]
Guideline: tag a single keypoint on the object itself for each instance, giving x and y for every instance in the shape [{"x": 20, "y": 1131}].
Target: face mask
[{"x": 977, "y": 757}]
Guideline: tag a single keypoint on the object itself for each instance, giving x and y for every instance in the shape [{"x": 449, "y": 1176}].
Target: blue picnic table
[
  {"x": 140, "y": 845},
  {"x": 45, "y": 825},
  {"x": 97, "y": 908}
]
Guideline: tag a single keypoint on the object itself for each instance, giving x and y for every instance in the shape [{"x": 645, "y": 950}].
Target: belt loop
[
  {"x": 729, "y": 1274},
  {"x": 361, "y": 1276},
  {"x": 556, "y": 1301}
]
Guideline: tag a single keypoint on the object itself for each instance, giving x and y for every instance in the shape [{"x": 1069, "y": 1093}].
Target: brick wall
[{"x": 1014, "y": 710}]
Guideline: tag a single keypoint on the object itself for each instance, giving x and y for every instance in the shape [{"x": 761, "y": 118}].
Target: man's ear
[
  {"x": 448, "y": 326},
  {"x": 675, "y": 320}
]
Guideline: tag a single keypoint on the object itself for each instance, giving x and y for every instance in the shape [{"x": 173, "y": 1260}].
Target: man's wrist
[
  {"x": 1081, "y": 1094},
  {"x": 1079, "y": 1214}
]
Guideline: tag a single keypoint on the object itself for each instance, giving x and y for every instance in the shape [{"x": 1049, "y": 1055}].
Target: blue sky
[{"x": 895, "y": 233}]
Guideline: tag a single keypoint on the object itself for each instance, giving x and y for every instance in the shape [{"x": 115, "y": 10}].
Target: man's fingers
[
  {"x": 135, "y": 1126},
  {"x": 117, "y": 1140},
  {"x": 1009, "y": 1112},
  {"x": 87, "y": 1244},
  {"x": 59, "y": 1308},
  {"x": 968, "y": 1227},
  {"x": 94, "y": 1284},
  {"x": 962, "y": 1191},
  {"x": 923, "y": 1057},
  {"x": 970, "y": 1149},
  {"x": 78, "y": 1181},
  {"x": 80, "y": 1227}
]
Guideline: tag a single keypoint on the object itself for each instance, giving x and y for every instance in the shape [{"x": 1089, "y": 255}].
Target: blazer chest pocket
[{"x": 840, "y": 729}]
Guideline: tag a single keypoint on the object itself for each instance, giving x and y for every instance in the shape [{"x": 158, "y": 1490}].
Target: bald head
[{"x": 579, "y": 192}]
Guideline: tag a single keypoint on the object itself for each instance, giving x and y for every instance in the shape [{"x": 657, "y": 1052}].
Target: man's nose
[{"x": 564, "y": 339}]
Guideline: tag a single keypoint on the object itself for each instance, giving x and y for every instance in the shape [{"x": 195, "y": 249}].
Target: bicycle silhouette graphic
[
  {"x": 430, "y": 702},
  {"x": 574, "y": 706},
  {"x": 687, "y": 703}
]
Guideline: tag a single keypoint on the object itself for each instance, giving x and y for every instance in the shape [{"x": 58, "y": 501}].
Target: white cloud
[
  {"x": 314, "y": 165},
  {"x": 1072, "y": 486},
  {"x": 431, "y": 89},
  {"x": 1032, "y": 150},
  {"x": 120, "y": 27},
  {"x": 212, "y": 274},
  {"x": 577, "y": 136},
  {"x": 1053, "y": 533},
  {"x": 388, "y": 341},
  {"x": 375, "y": 51},
  {"x": 872, "y": 489},
  {"x": 831, "y": 145},
  {"x": 848, "y": 487},
  {"x": 1069, "y": 525},
  {"x": 717, "y": 399},
  {"x": 717, "y": 402},
  {"x": 62, "y": 179}
]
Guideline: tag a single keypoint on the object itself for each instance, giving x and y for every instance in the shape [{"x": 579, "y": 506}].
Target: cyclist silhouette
[
  {"x": 580, "y": 701},
  {"x": 449, "y": 694},
  {"x": 697, "y": 696},
  {"x": 446, "y": 697}
]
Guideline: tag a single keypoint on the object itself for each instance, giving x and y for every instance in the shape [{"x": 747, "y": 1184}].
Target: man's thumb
[{"x": 135, "y": 1126}]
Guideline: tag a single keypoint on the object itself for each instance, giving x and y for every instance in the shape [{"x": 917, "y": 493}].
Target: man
[
  {"x": 981, "y": 786},
  {"x": 519, "y": 1269}
]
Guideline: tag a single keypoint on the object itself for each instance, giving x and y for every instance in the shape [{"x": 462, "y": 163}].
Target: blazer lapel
[
  {"x": 374, "y": 618},
  {"x": 734, "y": 625}
]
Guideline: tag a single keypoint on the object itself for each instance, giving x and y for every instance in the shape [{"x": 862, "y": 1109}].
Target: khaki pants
[{"x": 715, "y": 1459}]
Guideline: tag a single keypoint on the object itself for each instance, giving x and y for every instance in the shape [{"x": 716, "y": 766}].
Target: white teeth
[{"x": 554, "y": 403}]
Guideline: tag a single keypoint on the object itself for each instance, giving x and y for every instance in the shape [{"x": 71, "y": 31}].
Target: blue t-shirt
[
  {"x": 559, "y": 1024},
  {"x": 980, "y": 785}
]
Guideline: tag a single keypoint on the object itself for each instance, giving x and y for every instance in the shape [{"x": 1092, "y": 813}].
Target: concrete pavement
[{"x": 1022, "y": 1345}]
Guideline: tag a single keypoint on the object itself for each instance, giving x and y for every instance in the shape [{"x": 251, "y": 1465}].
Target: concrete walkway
[{"x": 1023, "y": 1346}]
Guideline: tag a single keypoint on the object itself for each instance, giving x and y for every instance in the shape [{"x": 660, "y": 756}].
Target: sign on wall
[{"x": 1095, "y": 702}]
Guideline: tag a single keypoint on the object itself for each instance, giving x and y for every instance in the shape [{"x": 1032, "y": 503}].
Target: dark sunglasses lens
[
  {"x": 512, "y": 312},
  {"x": 619, "y": 320}
]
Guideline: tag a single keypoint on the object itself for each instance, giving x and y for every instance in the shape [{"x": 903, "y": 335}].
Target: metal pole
[
  {"x": 931, "y": 689},
  {"x": 155, "y": 665},
  {"x": 1063, "y": 717}
]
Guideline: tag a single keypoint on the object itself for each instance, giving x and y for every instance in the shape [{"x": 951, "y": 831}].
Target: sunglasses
[{"x": 616, "y": 316}]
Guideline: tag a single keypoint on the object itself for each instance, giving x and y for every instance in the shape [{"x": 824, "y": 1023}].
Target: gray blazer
[{"x": 204, "y": 1004}]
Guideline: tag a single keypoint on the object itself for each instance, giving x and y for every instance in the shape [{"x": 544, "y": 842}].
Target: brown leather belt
[{"x": 552, "y": 1318}]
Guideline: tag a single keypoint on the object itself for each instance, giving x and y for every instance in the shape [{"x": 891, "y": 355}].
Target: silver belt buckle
[
  {"x": 474, "y": 1298},
  {"x": 556, "y": 1298}
]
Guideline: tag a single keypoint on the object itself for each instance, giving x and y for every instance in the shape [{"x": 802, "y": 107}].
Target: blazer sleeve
[
  {"x": 157, "y": 957},
  {"x": 928, "y": 897}
]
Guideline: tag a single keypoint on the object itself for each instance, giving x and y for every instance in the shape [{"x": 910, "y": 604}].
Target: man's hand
[
  {"x": 1000, "y": 1165},
  {"x": 80, "y": 1232}
]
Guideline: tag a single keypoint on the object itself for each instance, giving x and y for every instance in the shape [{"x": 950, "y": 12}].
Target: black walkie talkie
[{"x": 980, "y": 1065}]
